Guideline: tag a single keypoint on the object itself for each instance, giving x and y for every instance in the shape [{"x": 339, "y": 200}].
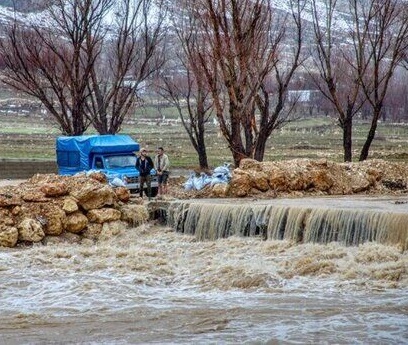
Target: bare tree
[
  {"x": 337, "y": 74},
  {"x": 132, "y": 53},
  {"x": 239, "y": 47},
  {"x": 355, "y": 73},
  {"x": 82, "y": 69},
  {"x": 381, "y": 40},
  {"x": 194, "y": 107},
  {"x": 186, "y": 89},
  {"x": 272, "y": 99},
  {"x": 54, "y": 63}
]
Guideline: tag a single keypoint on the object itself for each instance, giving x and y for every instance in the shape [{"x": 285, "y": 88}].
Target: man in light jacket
[{"x": 162, "y": 165}]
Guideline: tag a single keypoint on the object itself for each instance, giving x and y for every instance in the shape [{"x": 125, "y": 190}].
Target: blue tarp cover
[{"x": 74, "y": 152}]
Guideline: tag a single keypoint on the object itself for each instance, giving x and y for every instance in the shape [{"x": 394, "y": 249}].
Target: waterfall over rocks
[{"x": 350, "y": 221}]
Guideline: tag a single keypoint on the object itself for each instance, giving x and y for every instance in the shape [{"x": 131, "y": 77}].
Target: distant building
[
  {"x": 303, "y": 96},
  {"x": 130, "y": 82}
]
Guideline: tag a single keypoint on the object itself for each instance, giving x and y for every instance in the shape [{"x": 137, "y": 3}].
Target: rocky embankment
[
  {"x": 298, "y": 177},
  {"x": 59, "y": 208},
  {"x": 56, "y": 208}
]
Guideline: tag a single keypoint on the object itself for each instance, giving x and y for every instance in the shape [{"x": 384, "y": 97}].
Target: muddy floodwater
[{"x": 153, "y": 285}]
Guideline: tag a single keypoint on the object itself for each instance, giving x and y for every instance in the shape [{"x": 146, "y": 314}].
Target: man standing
[
  {"x": 144, "y": 164},
  {"x": 162, "y": 165}
]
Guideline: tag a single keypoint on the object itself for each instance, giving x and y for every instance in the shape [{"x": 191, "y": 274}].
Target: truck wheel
[{"x": 154, "y": 191}]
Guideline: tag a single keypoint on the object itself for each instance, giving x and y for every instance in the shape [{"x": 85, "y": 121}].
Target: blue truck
[{"x": 112, "y": 155}]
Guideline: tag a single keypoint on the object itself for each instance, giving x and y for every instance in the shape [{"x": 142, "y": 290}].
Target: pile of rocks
[
  {"x": 85, "y": 208},
  {"x": 61, "y": 208},
  {"x": 310, "y": 177}
]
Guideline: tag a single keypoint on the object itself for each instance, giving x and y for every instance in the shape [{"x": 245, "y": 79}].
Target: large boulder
[
  {"x": 98, "y": 176},
  {"x": 50, "y": 215},
  {"x": 250, "y": 164},
  {"x": 6, "y": 217},
  {"x": 220, "y": 190},
  {"x": 122, "y": 193},
  {"x": 240, "y": 184},
  {"x": 320, "y": 180},
  {"x": 8, "y": 236},
  {"x": 30, "y": 230},
  {"x": 54, "y": 189},
  {"x": 75, "y": 222},
  {"x": 103, "y": 215},
  {"x": 278, "y": 180},
  {"x": 259, "y": 180},
  {"x": 69, "y": 205},
  {"x": 93, "y": 197}
]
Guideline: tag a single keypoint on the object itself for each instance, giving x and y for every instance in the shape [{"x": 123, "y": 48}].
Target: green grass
[{"x": 25, "y": 137}]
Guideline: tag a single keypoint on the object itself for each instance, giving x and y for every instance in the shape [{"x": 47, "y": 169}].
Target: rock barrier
[
  {"x": 300, "y": 177},
  {"x": 65, "y": 208}
]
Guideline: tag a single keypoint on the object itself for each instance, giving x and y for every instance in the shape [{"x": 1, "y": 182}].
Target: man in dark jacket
[{"x": 144, "y": 164}]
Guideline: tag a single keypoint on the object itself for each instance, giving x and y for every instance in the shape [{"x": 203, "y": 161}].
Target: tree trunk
[
  {"x": 370, "y": 137},
  {"x": 371, "y": 133},
  {"x": 201, "y": 149},
  {"x": 236, "y": 148},
  {"x": 235, "y": 141},
  {"x": 202, "y": 158},
  {"x": 347, "y": 138},
  {"x": 260, "y": 147}
]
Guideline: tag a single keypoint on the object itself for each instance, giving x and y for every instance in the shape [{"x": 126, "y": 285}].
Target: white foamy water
[{"x": 151, "y": 285}]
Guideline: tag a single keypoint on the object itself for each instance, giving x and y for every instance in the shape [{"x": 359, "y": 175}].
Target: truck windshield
[{"x": 120, "y": 161}]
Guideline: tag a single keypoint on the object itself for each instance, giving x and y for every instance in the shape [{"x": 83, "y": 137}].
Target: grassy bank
[{"x": 31, "y": 137}]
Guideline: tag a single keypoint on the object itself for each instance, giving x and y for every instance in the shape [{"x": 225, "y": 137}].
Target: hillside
[{"x": 24, "y": 5}]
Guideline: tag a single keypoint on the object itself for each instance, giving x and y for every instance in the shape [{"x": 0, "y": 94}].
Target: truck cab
[{"x": 112, "y": 155}]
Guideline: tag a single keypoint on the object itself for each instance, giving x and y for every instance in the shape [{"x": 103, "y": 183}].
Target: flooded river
[{"x": 153, "y": 285}]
